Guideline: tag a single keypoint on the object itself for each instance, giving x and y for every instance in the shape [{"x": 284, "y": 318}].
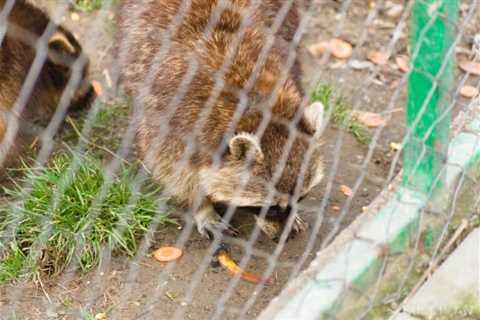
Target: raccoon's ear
[
  {"x": 243, "y": 143},
  {"x": 60, "y": 47},
  {"x": 314, "y": 115}
]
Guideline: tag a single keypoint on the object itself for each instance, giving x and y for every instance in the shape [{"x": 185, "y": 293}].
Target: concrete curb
[
  {"x": 355, "y": 255},
  {"x": 449, "y": 288}
]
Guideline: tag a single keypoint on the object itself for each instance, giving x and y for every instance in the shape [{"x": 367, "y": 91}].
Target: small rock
[
  {"x": 338, "y": 65},
  {"x": 359, "y": 64},
  {"x": 395, "y": 146},
  {"x": 74, "y": 16},
  {"x": 384, "y": 24},
  {"x": 476, "y": 44},
  {"x": 101, "y": 316},
  {"x": 394, "y": 11}
]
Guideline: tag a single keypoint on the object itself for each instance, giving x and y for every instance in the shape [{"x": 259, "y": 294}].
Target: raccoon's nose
[{"x": 286, "y": 210}]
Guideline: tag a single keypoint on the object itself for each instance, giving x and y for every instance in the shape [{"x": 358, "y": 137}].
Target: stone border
[{"x": 389, "y": 223}]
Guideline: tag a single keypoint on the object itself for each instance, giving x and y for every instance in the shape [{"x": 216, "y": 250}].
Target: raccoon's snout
[
  {"x": 274, "y": 211},
  {"x": 83, "y": 98},
  {"x": 271, "y": 211}
]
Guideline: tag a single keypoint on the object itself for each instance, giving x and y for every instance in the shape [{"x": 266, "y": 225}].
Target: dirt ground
[{"x": 130, "y": 289}]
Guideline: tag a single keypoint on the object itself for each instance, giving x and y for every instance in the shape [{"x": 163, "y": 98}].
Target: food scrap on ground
[
  {"x": 346, "y": 190},
  {"x": 378, "y": 57},
  {"x": 97, "y": 87},
  {"x": 318, "y": 49},
  {"x": 167, "y": 254},
  {"x": 227, "y": 262},
  {"x": 339, "y": 48},
  {"x": 470, "y": 67},
  {"x": 403, "y": 63},
  {"x": 371, "y": 119},
  {"x": 468, "y": 92}
]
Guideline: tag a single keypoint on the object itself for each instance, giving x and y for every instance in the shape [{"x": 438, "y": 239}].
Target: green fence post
[{"x": 433, "y": 30}]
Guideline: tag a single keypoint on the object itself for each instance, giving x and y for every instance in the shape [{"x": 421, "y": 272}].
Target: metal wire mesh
[{"x": 356, "y": 169}]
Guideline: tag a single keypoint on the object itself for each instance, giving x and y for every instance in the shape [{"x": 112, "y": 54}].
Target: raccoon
[
  {"x": 25, "y": 25},
  {"x": 222, "y": 125}
]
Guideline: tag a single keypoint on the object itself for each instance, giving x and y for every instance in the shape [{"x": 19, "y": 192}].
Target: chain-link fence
[{"x": 233, "y": 159}]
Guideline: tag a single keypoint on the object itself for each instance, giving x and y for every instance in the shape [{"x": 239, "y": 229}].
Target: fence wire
[{"x": 81, "y": 213}]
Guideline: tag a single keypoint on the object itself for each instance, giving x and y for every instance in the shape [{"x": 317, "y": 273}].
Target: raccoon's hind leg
[{"x": 210, "y": 224}]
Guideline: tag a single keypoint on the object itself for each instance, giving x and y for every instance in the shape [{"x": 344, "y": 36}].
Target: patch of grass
[
  {"x": 86, "y": 315},
  {"x": 12, "y": 265},
  {"x": 108, "y": 127},
  {"x": 57, "y": 223},
  {"x": 87, "y": 5},
  {"x": 469, "y": 309},
  {"x": 341, "y": 114}
]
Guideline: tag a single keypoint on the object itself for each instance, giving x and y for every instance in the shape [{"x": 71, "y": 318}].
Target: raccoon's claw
[
  {"x": 219, "y": 229},
  {"x": 211, "y": 225},
  {"x": 299, "y": 225},
  {"x": 274, "y": 228}
]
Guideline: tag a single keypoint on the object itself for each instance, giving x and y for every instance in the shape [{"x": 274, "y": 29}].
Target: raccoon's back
[
  {"x": 190, "y": 20},
  {"x": 148, "y": 30},
  {"x": 27, "y": 17},
  {"x": 182, "y": 74}
]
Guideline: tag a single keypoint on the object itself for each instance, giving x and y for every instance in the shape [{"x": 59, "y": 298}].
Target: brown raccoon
[
  {"x": 167, "y": 122},
  {"x": 25, "y": 25}
]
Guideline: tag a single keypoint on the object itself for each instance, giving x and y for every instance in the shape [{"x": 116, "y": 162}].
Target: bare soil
[{"x": 125, "y": 289}]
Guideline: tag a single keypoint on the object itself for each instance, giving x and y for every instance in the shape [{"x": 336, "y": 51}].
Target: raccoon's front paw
[
  {"x": 218, "y": 229},
  {"x": 273, "y": 228},
  {"x": 210, "y": 224}
]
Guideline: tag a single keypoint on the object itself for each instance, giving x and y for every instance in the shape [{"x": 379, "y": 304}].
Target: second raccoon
[{"x": 25, "y": 25}]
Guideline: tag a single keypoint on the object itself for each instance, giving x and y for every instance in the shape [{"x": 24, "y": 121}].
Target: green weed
[
  {"x": 87, "y": 5},
  {"x": 12, "y": 265},
  {"x": 57, "y": 222},
  {"x": 468, "y": 309},
  {"x": 341, "y": 114}
]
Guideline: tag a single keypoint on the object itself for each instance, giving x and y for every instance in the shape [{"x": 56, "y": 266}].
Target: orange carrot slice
[
  {"x": 346, "y": 190},
  {"x": 97, "y": 87},
  {"x": 167, "y": 254},
  {"x": 378, "y": 57},
  {"x": 469, "y": 91},
  {"x": 319, "y": 48},
  {"x": 340, "y": 48},
  {"x": 234, "y": 269},
  {"x": 403, "y": 63}
]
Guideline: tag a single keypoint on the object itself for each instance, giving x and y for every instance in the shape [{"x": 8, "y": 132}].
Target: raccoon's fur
[
  {"x": 167, "y": 122},
  {"x": 25, "y": 25}
]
